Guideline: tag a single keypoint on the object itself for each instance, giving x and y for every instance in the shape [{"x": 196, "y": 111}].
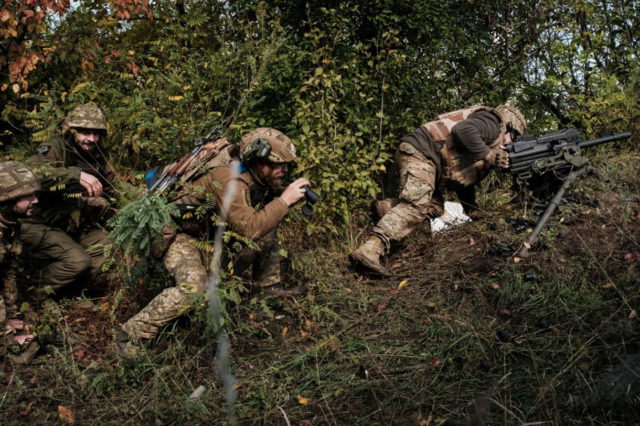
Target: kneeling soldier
[
  {"x": 17, "y": 200},
  {"x": 64, "y": 238},
  {"x": 247, "y": 180}
]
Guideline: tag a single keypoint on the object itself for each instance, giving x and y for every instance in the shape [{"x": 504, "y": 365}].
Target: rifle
[
  {"x": 531, "y": 156},
  {"x": 170, "y": 175}
]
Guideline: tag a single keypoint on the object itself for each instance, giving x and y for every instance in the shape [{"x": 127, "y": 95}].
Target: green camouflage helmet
[
  {"x": 513, "y": 117},
  {"x": 16, "y": 181},
  {"x": 85, "y": 116},
  {"x": 282, "y": 149}
]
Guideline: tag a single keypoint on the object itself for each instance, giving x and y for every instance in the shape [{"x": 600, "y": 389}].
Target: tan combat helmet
[
  {"x": 513, "y": 117},
  {"x": 282, "y": 149},
  {"x": 16, "y": 181},
  {"x": 85, "y": 116}
]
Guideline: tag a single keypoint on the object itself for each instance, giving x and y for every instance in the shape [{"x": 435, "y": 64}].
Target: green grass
[{"x": 466, "y": 327}]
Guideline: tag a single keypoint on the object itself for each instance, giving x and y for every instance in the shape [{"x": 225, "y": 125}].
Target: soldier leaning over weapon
[
  {"x": 257, "y": 207},
  {"x": 17, "y": 200},
  {"x": 452, "y": 153},
  {"x": 63, "y": 227}
]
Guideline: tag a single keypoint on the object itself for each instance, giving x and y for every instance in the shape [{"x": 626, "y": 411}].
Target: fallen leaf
[
  {"x": 607, "y": 285},
  {"x": 65, "y": 414},
  {"x": 516, "y": 259},
  {"x": 472, "y": 242},
  {"x": 309, "y": 324},
  {"x": 504, "y": 312},
  {"x": 382, "y": 307},
  {"x": 302, "y": 400},
  {"x": 633, "y": 314},
  {"x": 402, "y": 284},
  {"x": 628, "y": 257},
  {"x": 285, "y": 330},
  {"x": 495, "y": 286},
  {"x": 526, "y": 244},
  {"x": 392, "y": 291}
]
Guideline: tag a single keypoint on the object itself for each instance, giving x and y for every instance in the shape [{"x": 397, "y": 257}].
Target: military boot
[{"x": 368, "y": 255}]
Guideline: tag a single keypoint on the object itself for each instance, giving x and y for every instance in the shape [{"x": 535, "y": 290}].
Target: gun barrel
[{"x": 604, "y": 139}]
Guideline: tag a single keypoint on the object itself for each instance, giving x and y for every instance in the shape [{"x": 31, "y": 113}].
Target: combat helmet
[
  {"x": 16, "y": 180},
  {"x": 513, "y": 117},
  {"x": 85, "y": 116},
  {"x": 254, "y": 145}
]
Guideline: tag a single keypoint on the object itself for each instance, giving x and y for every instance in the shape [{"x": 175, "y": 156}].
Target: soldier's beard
[
  {"x": 275, "y": 183},
  {"x": 87, "y": 147}
]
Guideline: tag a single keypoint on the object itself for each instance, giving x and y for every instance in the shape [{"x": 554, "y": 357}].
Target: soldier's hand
[
  {"x": 498, "y": 157},
  {"x": 295, "y": 191},
  {"x": 91, "y": 184}
]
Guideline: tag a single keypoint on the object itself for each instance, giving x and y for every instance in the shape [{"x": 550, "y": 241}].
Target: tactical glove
[{"x": 497, "y": 157}]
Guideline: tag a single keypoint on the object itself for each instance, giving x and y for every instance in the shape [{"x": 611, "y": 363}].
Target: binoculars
[{"x": 310, "y": 197}]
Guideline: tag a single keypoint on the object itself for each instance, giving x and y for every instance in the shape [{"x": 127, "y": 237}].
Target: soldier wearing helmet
[
  {"x": 452, "y": 153},
  {"x": 77, "y": 177},
  {"x": 18, "y": 185},
  {"x": 249, "y": 178}
]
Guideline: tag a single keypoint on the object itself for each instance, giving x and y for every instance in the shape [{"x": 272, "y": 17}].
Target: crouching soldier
[
  {"x": 63, "y": 238},
  {"x": 248, "y": 181},
  {"x": 452, "y": 153},
  {"x": 17, "y": 200}
]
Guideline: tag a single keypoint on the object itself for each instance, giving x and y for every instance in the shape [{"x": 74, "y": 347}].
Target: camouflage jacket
[
  {"x": 457, "y": 143},
  {"x": 254, "y": 208},
  {"x": 58, "y": 165}
]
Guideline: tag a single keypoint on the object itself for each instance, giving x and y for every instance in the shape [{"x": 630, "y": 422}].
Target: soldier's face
[
  {"x": 87, "y": 139},
  {"x": 24, "y": 206},
  {"x": 273, "y": 172}
]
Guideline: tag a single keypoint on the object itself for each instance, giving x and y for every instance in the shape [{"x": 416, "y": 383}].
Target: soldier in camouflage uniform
[
  {"x": 76, "y": 176},
  {"x": 17, "y": 200},
  {"x": 248, "y": 178},
  {"x": 452, "y": 153}
]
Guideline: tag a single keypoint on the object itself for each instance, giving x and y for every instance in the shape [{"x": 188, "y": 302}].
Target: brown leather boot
[{"x": 368, "y": 255}]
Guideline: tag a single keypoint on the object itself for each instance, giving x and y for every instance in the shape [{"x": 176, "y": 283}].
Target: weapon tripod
[{"x": 523, "y": 250}]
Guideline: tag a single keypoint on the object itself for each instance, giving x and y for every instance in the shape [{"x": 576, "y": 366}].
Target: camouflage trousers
[
  {"x": 186, "y": 265},
  {"x": 417, "y": 189},
  {"x": 59, "y": 259}
]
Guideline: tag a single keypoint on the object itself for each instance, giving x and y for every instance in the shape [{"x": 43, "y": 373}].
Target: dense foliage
[{"x": 343, "y": 78}]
